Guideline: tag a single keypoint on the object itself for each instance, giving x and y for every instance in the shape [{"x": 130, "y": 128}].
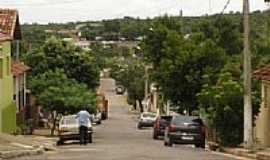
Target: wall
[
  {"x": 262, "y": 123},
  {"x": 7, "y": 105}
]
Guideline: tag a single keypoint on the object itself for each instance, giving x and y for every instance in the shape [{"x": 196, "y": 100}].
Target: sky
[{"x": 60, "y": 11}]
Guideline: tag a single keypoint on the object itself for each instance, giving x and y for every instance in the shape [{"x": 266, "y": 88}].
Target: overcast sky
[{"x": 44, "y": 11}]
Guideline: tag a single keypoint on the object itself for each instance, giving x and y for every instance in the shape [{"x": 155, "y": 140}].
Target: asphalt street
[{"x": 119, "y": 139}]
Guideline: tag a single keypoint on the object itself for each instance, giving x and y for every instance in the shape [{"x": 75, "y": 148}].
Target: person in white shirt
[{"x": 84, "y": 118}]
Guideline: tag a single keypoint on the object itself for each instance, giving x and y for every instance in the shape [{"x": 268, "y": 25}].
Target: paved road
[{"x": 119, "y": 139}]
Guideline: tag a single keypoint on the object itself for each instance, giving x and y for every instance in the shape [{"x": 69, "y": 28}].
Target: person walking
[{"x": 84, "y": 118}]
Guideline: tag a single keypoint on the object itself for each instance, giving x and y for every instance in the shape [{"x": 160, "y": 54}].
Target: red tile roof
[
  {"x": 9, "y": 23},
  {"x": 4, "y": 36},
  {"x": 18, "y": 68},
  {"x": 262, "y": 73}
]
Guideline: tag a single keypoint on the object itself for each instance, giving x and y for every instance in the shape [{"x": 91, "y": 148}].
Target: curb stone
[
  {"x": 239, "y": 152},
  {"x": 19, "y": 153},
  {"x": 263, "y": 156}
]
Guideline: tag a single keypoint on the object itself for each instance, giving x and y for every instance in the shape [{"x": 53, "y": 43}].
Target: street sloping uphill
[{"x": 119, "y": 139}]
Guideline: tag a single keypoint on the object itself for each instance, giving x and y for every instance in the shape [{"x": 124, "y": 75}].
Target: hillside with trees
[{"x": 197, "y": 62}]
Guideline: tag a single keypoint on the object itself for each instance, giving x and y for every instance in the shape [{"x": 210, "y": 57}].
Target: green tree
[
  {"x": 54, "y": 54},
  {"x": 222, "y": 105},
  {"x": 60, "y": 95}
]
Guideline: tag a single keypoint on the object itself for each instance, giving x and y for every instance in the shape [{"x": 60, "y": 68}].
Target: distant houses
[{"x": 12, "y": 71}]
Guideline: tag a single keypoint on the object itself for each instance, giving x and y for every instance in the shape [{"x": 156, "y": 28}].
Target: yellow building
[
  {"x": 262, "y": 124},
  {"x": 12, "y": 71}
]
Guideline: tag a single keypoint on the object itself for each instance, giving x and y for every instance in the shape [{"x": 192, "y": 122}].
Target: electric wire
[{"x": 225, "y": 7}]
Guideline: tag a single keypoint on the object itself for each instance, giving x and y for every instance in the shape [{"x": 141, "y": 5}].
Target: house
[
  {"x": 12, "y": 71},
  {"x": 262, "y": 123}
]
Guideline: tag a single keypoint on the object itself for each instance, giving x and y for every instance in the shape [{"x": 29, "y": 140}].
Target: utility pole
[
  {"x": 248, "y": 133},
  {"x": 146, "y": 83}
]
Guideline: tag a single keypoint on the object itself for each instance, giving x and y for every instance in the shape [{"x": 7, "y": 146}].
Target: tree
[
  {"x": 180, "y": 63},
  {"x": 54, "y": 54},
  {"x": 60, "y": 95},
  {"x": 222, "y": 105}
]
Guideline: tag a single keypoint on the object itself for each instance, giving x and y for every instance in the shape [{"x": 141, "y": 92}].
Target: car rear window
[
  {"x": 149, "y": 115},
  {"x": 69, "y": 120},
  {"x": 167, "y": 118},
  {"x": 186, "y": 119}
]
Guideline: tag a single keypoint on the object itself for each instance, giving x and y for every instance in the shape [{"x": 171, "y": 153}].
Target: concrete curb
[
  {"x": 239, "y": 152},
  {"x": 20, "y": 153},
  {"x": 263, "y": 156}
]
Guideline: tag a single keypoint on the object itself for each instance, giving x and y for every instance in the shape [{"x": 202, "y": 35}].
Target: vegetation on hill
[{"x": 197, "y": 61}]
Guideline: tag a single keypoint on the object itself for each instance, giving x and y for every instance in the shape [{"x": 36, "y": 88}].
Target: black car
[
  {"x": 159, "y": 126},
  {"x": 185, "y": 130}
]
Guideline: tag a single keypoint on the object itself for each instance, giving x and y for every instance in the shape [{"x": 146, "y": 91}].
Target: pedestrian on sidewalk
[{"x": 84, "y": 118}]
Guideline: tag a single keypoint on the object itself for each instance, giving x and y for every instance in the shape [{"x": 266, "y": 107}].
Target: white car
[
  {"x": 97, "y": 118},
  {"x": 147, "y": 119},
  {"x": 69, "y": 129}
]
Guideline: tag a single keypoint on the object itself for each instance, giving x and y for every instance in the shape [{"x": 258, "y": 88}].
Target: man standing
[{"x": 84, "y": 118}]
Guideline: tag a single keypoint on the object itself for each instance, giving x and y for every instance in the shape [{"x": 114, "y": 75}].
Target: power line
[{"x": 226, "y": 6}]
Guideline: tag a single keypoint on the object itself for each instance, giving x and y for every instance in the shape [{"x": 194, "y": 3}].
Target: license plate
[{"x": 187, "y": 138}]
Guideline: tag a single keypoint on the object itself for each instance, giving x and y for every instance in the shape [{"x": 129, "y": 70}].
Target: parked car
[
  {"x": 69, "y": 129},
  {"x": 120, "y": 89},
  {"x": 97, "y": 118},
  {"x": 185, "y": 130},
  {"x": 147, "y": 119},
  {"x": 159, "y": 126}
]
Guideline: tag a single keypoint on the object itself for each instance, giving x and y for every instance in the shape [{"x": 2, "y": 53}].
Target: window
[{"x": 1, "y": 68}]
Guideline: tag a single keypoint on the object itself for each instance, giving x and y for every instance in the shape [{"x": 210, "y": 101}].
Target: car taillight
[{"x": 172, "y": 127}]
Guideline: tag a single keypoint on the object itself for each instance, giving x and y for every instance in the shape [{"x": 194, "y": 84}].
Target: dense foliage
[{"x": 63, "y": 78}]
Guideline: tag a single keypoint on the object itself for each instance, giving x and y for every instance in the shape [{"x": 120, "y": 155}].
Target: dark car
[
  {"x": 185, "y": 130},
  {"x": 159, "y": 126}
]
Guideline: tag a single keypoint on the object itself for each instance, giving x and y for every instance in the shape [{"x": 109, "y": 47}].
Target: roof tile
[
  {"x": 8, "y": 21},
  {"x": 262, "y": 73}
]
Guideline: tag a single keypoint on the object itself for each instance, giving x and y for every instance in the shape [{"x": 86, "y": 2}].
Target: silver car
[
  {"x": 69, "y": 129},
  {"x": 147, "y": 119}
]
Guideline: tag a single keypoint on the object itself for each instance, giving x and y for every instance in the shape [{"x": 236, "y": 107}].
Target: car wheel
[
  {"x": 139, "y": 126},
  {"x": 165, "y": 143},
  {"x": 197, "y": 145},
  {"x": 59, "y": 142},
  {"x": 90, "y": 138}
]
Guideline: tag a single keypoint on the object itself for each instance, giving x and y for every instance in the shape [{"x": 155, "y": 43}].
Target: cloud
[{"x": 44, "y": 11}]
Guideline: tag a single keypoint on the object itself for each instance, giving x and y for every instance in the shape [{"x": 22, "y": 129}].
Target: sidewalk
[
  {"x": 262, "y": 154},
  {"x": 24, "y": 145}
]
